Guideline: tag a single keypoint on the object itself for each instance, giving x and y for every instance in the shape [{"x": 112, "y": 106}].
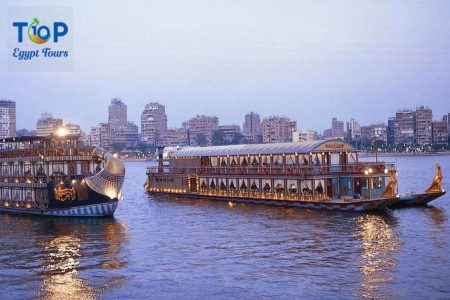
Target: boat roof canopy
[{"x": 334, "y": 145}]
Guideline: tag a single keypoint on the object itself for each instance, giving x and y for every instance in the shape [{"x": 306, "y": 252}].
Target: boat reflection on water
[
  {"x": 72, "y": 249},
  {"x": 380, "y": 244}
]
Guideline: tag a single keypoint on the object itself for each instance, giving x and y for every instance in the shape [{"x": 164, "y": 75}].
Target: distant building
[
  {"x": 173, "y": 137},
  {"x": 7, "y": 118},
  {"x": 117, "y": 112},
  {"x": 153, "y": 122},
  {"x": 117, "y": 119},
  {"x": 327, "y": 134},
  {"x": 404, "y": 127},
  {"x": 304, "y": 136},
  {"x": 374, "y": 132},
  {"x": 353, "y": 129},
  {"x": 229, "y": 132},
  {"x": 440, "y": 131},
  {"x": 251, "y": 128},
  {"x": 391, "y": 131},
  {"x": 337, "y": 129},
  {"x": 100, "y": 135},
  {"x": 277, "y": 129},
  {"x": 74, "y": 129},
  {"x": 46, "y": 125},
  {"x": 25, "y": 132},
  {"x": 201, "y": 129},
  {"x": 423, "y": 125},
  {"x": 448, "y": 126}
]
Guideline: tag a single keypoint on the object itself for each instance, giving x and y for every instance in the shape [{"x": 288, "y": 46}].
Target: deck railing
[
  {"x": 46, "y": 152},
  {"x": 362, "y": 167}
]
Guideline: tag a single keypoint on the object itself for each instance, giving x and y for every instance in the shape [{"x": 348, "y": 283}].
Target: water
[{"x": 171, "y": 249}]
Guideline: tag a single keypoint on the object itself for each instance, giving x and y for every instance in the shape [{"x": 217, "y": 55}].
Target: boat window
[
  {"x": 16, "y": 169},
  {"x": 319, "y": 184},
  {"x": 40, "y": 169},
  {"x": 5, "y": 168},
  {"x": 346, "y": 188},
  {"x": 318, "y": 159},
  {"x": 5, "y": 193},
  {"x": 266, "y": 161},
  {"x": 212, "y": 183},
  {"x": 267, "y": 186},
  {"x": 255, "y": 161},
  {"x": 279, "y": 185},
  {"x": 233, "y": 161},
  {"x": 278, "y": 161},
  {"x": 351, "y": 157},
  {"x": 214, "y": 161},
  {"x": 254, "y": 185},
  {"x": 223, "y": 186},
  {"x": 203, "y": 184},
  {"x": 303, "y": 160},
  {"x": 223, "y": 162},
  {"x": 292, "y": 186},
  {"x": 16, "y": 194},
  {"x": 232, "y": 184},
  {"x": 243, "y": 184},
  {"x": 244, "y": 161},
  {"x": 335, "y": 159},
  {"x": 290, "y": 160},
  {"x": 307, "y": 186}
]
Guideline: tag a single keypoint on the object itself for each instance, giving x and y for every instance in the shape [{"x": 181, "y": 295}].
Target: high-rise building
[
  {"x": 252, "y": 127},
  {"x": 304, "y": 136},
  {"x": 423, "y": 125},
  {"x": 117, "y": 120},
  {"x": 391, "y": 131},
  {"x": 337, "y": 129},
  {"x": 47, "y": 125},
  {"x": 153, "y": 122},
  {"x": 353, "y": 129},
  {"x": 25, "y": 132},
  {"x": 230, "y": 132},
  {"x": 201, "y": 129},
  {"x": 277, "y": 129},
  {"x": 440, "y": 131},
  {"x": 404, "y": 127},
  {"x": 374, "y": 132},
  {"x": 131, "y": 135},
  {"x": 7, "y": 118},
  {"x": 117, "y": 112},
  {"x": 173, "y": 137},
  {"x": 100, "y": 135}
]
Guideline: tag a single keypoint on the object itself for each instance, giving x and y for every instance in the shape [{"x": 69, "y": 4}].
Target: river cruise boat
[
  {"x": 57, "y": 176},
  {"x": 318, "y": 174}
]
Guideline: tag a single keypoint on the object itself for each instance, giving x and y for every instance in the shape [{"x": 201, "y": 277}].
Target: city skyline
[{"x": 308, "y": 60}]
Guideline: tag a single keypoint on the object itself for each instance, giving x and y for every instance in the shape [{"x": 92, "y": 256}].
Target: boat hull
[
  {"x": 411, "y": 200},
  {"x": 351, "y": 206},
  {"x": 94, "y": 210}
]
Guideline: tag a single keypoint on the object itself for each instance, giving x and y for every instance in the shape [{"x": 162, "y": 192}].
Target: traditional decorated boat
[
  {"x": 433, "y": 192},
  {"x": 57, "y": 176},
  {"x": 318, "y": 175}
]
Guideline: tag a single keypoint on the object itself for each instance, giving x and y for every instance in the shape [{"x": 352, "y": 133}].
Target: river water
[{"x": 161, "y": 248}]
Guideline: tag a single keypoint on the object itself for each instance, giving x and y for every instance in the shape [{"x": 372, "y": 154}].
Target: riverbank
[{"x": 391, "y": 154}]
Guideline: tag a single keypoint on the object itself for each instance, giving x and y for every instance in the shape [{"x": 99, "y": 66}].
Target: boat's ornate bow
[
  {"x": 109, "y": 180},
  {"x": 391, "y": 188},
  {"x": 436, "y": 184}
]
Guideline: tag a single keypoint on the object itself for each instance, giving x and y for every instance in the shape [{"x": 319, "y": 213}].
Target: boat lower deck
[
  {"x": 343, "y": 204},
  {"x": 95, "y": 210}
]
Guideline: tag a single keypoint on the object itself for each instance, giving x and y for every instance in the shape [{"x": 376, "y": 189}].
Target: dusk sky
[{"x": 308, "y": 60}]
